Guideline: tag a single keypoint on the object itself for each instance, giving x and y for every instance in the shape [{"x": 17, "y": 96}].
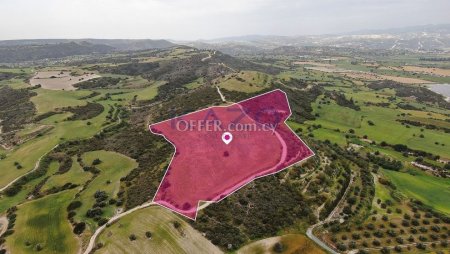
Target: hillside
[{"x": 14, "y": 51}]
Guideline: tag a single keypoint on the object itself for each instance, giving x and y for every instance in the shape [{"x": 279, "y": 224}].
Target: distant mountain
[
  {"x": 416, "y": 38},
  {"x": 441, "y": 28},
  {"x": 22, "y": 53},
  {"x": 14, "y": 51},
  {"x": 126, "y": 44}
]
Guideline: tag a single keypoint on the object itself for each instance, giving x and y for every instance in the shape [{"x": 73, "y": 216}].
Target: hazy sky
[{"x": 204, "y": 19}]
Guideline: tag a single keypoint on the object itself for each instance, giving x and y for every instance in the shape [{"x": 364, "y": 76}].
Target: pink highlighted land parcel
[{"x": 220, "y": 149}]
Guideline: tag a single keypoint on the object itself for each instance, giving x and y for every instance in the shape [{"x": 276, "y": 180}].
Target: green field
[
  {"x": 247, "y": 81},
  {"x": 76, "y": 175},
  {"x": 113, "y": 167},
  {"x": 6, "y": 202},
  {"x": 386, "y": 128},
  {"x": 146, "y": 93},
  {"x": 49, "y": 100},
  {"x": 430, "y": 190},
  {"x": 44, "y": 222},
  {"x": 165, "y": 237},
  {"x": 29, "y": 153}
]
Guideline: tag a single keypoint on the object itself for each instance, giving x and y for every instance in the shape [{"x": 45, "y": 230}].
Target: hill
[{"x": 14, "y": 51}]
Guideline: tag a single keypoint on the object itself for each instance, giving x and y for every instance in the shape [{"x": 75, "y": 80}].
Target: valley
[{"x": 76, "y": 155}]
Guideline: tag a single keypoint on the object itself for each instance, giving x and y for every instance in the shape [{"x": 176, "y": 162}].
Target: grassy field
[
  {"x": 76, "y": 175},
  {"x": 43, "y": 222},
  {"x": 49, "y": 100},
  {"x": 29, "y": 153},
  {"x": 113, "y": 167},
  {"x": 194, "y": 84},
  {"x": 15, "y": 83},
  {"x": 246, "y": 81},
  {"x": 428, "y": 189},
  {"x": 147, "y": 93},
  {"x": 292, "y": 244},
  {"x": 165, "y": 237},
  {"x": 386, "y": 128},
  {"x": 7, "y": 202}
]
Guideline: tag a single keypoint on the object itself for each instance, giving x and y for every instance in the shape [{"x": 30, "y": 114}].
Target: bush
[
  {"x": 385, "y": 250},
  {"x": 102, "y": 221},
  {"x": 341, "y": 247},
  {"x": 148, "y": 234},
  {"x": 278, "y": 247},
  {"x": 94, "y": 212},
  {"x": 74, "y": 205},
  {"x": 132, "y": 237},
  {"x": 79, "y": 228},
  {"x": 96, "y": 162}
]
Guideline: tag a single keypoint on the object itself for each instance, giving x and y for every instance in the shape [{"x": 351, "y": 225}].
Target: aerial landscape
[{"x": 350, "y": 151}]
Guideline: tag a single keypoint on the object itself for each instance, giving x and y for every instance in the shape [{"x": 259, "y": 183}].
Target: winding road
[
  {"x": 310, "y": 230},
  {"x": 36, "y": 166}
]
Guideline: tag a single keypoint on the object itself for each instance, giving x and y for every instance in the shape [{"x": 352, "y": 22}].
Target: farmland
[
  {"x": 381, "y": 143},
  {"x": 169, "y": 234},
  {"x": 41, "y": 226}
]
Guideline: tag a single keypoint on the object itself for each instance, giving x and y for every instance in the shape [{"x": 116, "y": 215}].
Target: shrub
[
  {"x": 79, "y": 228},
  {"x": 341, "y": 247},
  {"x": 278, "y": 247},
  {"x": 74, "y": 205},
  {"x": 385, "y": 250},
  {"x": 102, "y": 221}
]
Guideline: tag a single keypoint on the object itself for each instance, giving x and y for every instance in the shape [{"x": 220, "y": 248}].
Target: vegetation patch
[{"x": 90, "y": 110}]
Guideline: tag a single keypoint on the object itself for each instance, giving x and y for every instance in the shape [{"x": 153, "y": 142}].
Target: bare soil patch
[
  {"x": 59, "y": 80},
  {"x": 373, "y": 76},
  {"x": 428, "y": 70}
]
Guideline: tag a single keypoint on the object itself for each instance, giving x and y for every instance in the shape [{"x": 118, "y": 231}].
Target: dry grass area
[
  {"x": 169, "y": 234},
  {"x": 293, "y": 243},
  {"x": 428, "y": 70},
  {"x": 59, "y": 79},
  {"x": 245, "y": 81},
  {"x": 3, "y": 225},
  {"x": 373, "y": 76},
  {"x": 314, "y": 63}
]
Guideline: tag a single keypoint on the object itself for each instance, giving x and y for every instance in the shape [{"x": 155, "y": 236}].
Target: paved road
[
  {"x": 113, "y": 219},
  {"x": 309, "y": 232}
]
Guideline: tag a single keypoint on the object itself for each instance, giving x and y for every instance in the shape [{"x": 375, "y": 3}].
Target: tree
[
  {"x": 96, "y": 162},
  {"x": 74, "y": 205},
  {"x": 132, "y": 237},
  {"x": 278, "y": 247},
  {"x": 79, "y": 228},
  {"x": 148, "y": 234},
  {"x": 385, "y": 250}
]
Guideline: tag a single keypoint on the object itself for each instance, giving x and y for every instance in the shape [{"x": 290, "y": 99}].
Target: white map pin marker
[{"x": 227, "y": 137}]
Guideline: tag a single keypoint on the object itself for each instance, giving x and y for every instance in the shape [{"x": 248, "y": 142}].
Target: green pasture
[
  {"x": 165, "y": 237},
  {"x": 44, "y": 223},
  {"x": 432, "y": 191},
  {"x": 113, "y": 167}
]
